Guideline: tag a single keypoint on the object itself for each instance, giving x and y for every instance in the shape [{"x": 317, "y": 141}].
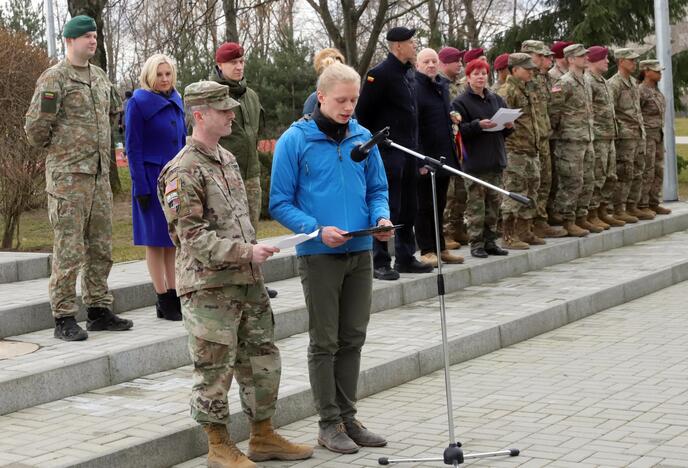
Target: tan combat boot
[
  {"x": 594, "y": 219},
  {"x": 660, "y": 210},
  {"x": 542, "y": 229},
  {"x": 607, "y": 218},
  {"x": 525, "y": 232},
  {"x": 222, "y": 452},
  {"x": 451, "y": 244},
  {"x": 266, "y": 444},
  {"x": 429, "y": 258},
  {"x": 573, "y": 230},
  {"x": 648, "y": 212},
  {"x": 621, "y": 214},
  {"x": 633, "y": 210},
  {"x": 511, "y": 240},
  {"x": 583, "y": 223}
]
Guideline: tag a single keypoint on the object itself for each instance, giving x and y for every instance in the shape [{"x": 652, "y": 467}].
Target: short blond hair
[
  {"x": 337, "y": 73},
  {"x": 326, "y": 57},
  {"x": 149, "y": 71}
]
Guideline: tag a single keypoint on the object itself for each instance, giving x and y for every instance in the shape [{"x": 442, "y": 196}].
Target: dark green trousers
[{"x": 338, "y": 292}]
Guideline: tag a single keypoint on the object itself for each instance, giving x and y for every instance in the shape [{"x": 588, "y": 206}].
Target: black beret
[{"x": 400, "y": 34}]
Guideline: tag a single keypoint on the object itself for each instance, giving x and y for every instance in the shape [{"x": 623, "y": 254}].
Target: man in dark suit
[{"x": 388, "y": 98}]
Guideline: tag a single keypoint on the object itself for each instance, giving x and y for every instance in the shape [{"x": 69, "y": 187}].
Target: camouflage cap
[
  {"x": 650, "y": 65},
  {"x": 209, "y": 93},
  {"x": 520, "y": 59},
  {"x": 535, "y": 47},
  {"x": 629, "y": 54},
  {"x": 575, "y": 50}
]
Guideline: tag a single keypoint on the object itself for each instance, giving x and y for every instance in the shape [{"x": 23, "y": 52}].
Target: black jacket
[
  {"x": 435, "y": 137},
  {"x": 388, "y": 98},
  {"x": 483, "y": 151}
]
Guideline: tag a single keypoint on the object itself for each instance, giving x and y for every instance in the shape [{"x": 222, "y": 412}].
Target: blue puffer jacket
[{"x": 315, "y": 183}]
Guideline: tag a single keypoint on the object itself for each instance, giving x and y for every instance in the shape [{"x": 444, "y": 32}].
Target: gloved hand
[{"x": 144, "y": 201}]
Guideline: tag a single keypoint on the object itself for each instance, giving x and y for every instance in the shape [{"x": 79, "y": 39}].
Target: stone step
[
  {"x": 23, "y": 266},
  {"x": 145, "y": 422},
  {"x": 60, "y": 369},
  {"x": 25, "y": 307}
]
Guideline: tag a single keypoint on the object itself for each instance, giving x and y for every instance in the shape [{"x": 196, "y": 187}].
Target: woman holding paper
[
  {"x": 484, "y": 157},
  {"x": 316, "y": 186}
]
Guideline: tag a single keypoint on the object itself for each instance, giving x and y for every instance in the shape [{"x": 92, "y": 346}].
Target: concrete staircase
[{"x": 121, "y": 399}]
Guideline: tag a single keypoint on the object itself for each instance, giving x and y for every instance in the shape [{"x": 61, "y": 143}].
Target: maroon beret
[
  {"x": 558, "y": 48},
  {"x": 597, "y": 53},
  {"x": 501, "y": 62},
  {"x": 449, "y": 55},
  {"x": 473, "y": 54},
  {"x": 228, "y": 51}
]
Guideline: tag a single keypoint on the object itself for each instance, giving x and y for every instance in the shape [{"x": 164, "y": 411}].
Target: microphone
[{"x": 360, "y": 152}]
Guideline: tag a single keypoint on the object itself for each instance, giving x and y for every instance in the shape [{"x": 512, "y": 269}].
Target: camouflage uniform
[
  {"x": 653, "y": 106},
  {"x": 70, "y": 115},
  {"x": 224, "y": 303},
  {"x": 630, "y": 143},
  {"x": 572, "y": 125},
  {"x": 555, "y": 72},
  {"x": 542, "y": 83},
  {"x": 605, "y": 132}
]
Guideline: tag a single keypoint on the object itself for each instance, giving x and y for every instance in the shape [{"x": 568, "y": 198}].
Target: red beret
[
  {"x": 501, "y": 62},
  {"x": 228, "y": 51},
  {"x": 477, "y": 65},
  {"x": 558, "y": 48},
  {"x": 597, "y": 53},
  {"x": 473, "y": 54},
  {"x": 449, "y": 55}
]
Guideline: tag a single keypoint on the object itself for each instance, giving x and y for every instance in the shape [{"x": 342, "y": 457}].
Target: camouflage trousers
[
  {"x": 605, "y": 173},
  {"x": 574, "y": 161},
  {"x": 545, "y": 187},
  {"x": 653, "y": 176},
  {"x": 456, "y": 206},
  {"x": 254, "y": 195},
  {"x": 630, "y": 164},
  {"x": 554, "y": 184},
  {"x": 231, "y": 332},
  {"x": 522, "y": 175},
  {"x": 80, "y": 213},
  {"x": 482, "y": 209}
]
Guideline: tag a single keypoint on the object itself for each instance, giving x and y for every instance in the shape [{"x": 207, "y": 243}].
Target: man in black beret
[{"x": 388, "y": 98}]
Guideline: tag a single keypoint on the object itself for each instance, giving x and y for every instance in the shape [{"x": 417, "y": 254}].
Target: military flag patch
[
  {"x": 171, "y": 196},
  {"x": 48, "y": 102},
  {"x": 556, "y": 89}
]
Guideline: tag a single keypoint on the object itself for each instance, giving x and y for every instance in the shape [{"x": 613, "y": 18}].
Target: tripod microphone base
[{"x": 453, "y": 455}]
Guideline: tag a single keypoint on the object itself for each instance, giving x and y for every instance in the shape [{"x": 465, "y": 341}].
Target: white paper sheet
[
  {"x": 504, "y": 116},
  {"x": 294, "y": 240}
]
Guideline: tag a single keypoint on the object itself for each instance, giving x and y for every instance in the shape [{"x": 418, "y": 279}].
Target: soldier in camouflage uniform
[
  {"x": 630, "y": 142},
  {"x": 542, "y": 84},
  {"x": 604, "y": 122},
  {"x": 522, "y": 174},
  {"x": 653, "y": 106},
  {"x": 501, "y": 68},
  {"x": 561, "y": 65},
  {"x": 70, "y": 115},
  {"x": 572, "y": 125},
  {"x": 225, "y": 306}
]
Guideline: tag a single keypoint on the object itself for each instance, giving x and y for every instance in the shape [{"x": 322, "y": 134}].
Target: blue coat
[
  {"x": 315, "y": 183},
  {"x": 154, "y": 134}
]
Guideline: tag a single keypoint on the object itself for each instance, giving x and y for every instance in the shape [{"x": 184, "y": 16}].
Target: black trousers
[
  {"x": 402, "y": 173},
  {"x": 425, "y": 221}
]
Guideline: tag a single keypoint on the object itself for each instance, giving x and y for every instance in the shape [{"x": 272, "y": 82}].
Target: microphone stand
[{"x": 453, "y": 454}]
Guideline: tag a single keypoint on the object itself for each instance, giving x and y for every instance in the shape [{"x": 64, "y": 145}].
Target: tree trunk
[
  {"x": 231, "y": 30},
  {"x": 433, "y": 24}
]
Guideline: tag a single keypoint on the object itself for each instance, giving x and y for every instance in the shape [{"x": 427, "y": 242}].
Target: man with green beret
[
  {"x": 630, "y": 140},
  {"x": 225, "y": 306},
  {"x": 572, "y": 125},
  {"x": 653, "y": 106},
  {"x": 70, "y": 115}
]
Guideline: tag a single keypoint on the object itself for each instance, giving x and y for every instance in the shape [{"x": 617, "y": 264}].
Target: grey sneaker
[
  {"x": 334, "y": 438},
  {"x": 362, "y": 436}
]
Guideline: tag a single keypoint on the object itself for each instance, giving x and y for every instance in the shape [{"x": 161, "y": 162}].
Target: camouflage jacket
[
  {"x": 653, "y": 106},
  {"x": 71, "y": 118},
  {"x": 453, "y": 86},
  {"x": 555, "y": 72},
  {"x": 497, "y": 86},
  {"x": 204, "y": 201},
  {"x": 526, "y": 136},
  {"x": 626, "y": 96},
  {"x": 542, "y": 87},
  {"x": 571, "y": 113},
  {"x": 604, "y": 118}
]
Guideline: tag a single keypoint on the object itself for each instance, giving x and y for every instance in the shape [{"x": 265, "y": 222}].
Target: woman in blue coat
[{"x": 155, "y": 133}]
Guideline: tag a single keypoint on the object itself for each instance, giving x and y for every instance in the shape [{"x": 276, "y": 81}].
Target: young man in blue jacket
[{"x": 316, "y": 185}]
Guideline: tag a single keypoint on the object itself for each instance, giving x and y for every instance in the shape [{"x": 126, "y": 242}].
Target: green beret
[{"x": 78, "y": 26}]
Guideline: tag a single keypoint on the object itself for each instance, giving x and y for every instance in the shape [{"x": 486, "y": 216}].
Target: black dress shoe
[
  {"x": 414, "y": 266},
  {"x": 386, "y": 273},
  {"x": 494, "y": 249},
  {"x": 271, "y": 292},
  {"x": 478, "y": 252}
]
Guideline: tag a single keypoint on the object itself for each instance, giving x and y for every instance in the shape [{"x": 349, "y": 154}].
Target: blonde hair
[
  {"x": 337, "y": 73},
  {"x": 326, "y": 57},
  {"x": 149, "y": 71}
]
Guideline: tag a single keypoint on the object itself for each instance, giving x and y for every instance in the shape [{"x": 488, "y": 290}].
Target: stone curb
[{"x": 20, "y": 266}]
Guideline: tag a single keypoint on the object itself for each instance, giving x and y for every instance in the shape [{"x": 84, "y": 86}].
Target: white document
[
  {"x": 295, "y": 240},
  {"x": 504, "y": 116}
]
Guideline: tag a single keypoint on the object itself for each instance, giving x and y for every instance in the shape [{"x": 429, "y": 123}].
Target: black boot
[
  {"x": 168, "y": 306},
  {"x": 67, "y": 329},
  {"x": 492, "y": 248},
  {"x": 101, "y": 319},
  {"x": 271, "y": 292}
]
